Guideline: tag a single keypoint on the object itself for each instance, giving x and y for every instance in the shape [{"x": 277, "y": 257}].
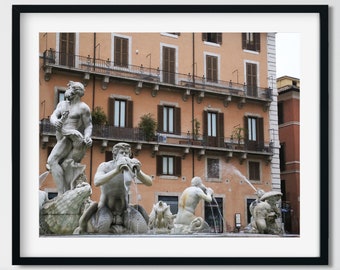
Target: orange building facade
[
  {"x": 289, "y": 132},
  {"x": 212, "y": 95}
]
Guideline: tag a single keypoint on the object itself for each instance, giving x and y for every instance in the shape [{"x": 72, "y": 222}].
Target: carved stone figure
[
  {"x": 186, "y": 221},
  {"x": 265, "y": 213},
  {"x": 61, "y": 214},
  {"x": 113, "y": 214},
  {"x": 72, "y": 119},
  {"x": 161, "y": 219}
]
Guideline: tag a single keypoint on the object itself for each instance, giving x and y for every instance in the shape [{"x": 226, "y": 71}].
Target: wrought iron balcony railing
[
  {"x": 136, "y": 135},
  {"x": 54, "y": 59}
]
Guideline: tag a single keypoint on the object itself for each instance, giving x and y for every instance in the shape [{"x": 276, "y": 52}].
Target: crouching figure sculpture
[
  {"x": 161, "y": 219},
  {"x": 186, "y": 221},
  {"x": 113, "y": 214},
  {"x": 265, "y": 213}
]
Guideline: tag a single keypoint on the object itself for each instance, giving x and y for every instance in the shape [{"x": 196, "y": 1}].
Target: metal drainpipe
[
  {"x": 93, "y": 97},
  {"x": 193, "y": 103}
]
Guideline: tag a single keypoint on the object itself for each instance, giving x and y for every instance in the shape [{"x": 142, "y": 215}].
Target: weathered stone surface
[
  {"x": 61, "y": 215},
  {"x": 161, "y": 219},
  {"x": 186, "y": 222},
  {"x": 265, "y": 214}
]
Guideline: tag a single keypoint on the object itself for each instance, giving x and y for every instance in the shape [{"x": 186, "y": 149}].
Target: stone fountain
[{"x": 73, "y": 212}]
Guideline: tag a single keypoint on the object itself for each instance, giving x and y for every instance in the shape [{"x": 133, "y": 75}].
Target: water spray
[{"x": 238, "y": 173}]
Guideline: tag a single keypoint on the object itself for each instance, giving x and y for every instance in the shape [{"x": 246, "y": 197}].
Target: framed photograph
[{"x": 37, "y": 26}]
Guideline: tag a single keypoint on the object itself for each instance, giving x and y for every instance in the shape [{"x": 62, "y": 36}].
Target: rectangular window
[
  {"x": 213, "y": 168},
  {"x": 282, "y": 157},
  {"x": 212, "y": 37},
  {"x": 255, "y": 136},
  {"x": 213, "y": 213},
  {"x": 170, "y": 200},
  {"x": 169, "y": 165},
  {"x": 168, "y": 119},
  {"x": 254, "y": 170},
  {"x": 67, "y": 49},
  {"x": 61, "y": 95},
  {"x": 251, "y": 41},
  {"x": 249, "y": 215},
  {"x": 213, "y": 128},
  {"x": 119, "y": 116},
  {"x": 251, "y": 70},
  {"x": 169, "y": 65},
  {"x": 121, "y": 49},
  {"x": 280, "y": 112},
  {"x": 212, "y": 118},
  {"x": 120, "y": 113},
  {"x": 252, "y": 129},
  {"x": 212, "y": 68}
]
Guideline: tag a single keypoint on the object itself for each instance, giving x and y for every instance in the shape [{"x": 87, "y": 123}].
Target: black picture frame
[{"x": 19, "y": 10}]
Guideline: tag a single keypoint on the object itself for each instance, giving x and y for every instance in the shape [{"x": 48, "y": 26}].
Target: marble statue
[
  {"x": 61, "y": 214},
  {"x": 113, "y": 214},
  {"x": 265, "y": 213},
  {"x": 72, "y": 119},
  {"x": 161, "y": 219},
  {"x": 186, "y": 221}
]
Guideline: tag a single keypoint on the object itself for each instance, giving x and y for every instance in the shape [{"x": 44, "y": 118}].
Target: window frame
[
  {"x": 176, "y": 119},
  {"x": 208, "y": 207},
  {"x": 213, "y": 178},
  {"x": 251, "y": 169},
  {"x": 70, "y": 50},
  {"x": 128, "y": 111},
  {"x": 254, "y": 46},
  {"x": 254, "y": 134},
  {"x": 119, "y": 118},
  {"x": 249, "y": 68},
  {"x": 209, "y": 70},
  {"x": 212, "y": 38},
  {"x": 113, "y": 52},
  {"x": 174, "y": 79},
  {"x": 177, "y": 165},
  {"x": 212, "y": 123},
  {"x": 168, "y": 119},
  {"x": 218, "y": 140}
]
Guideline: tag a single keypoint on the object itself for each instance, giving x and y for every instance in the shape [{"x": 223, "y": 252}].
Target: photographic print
[{"x": 176, "y": 135}]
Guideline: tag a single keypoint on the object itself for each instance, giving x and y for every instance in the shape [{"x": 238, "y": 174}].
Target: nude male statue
[
  {"x": 188, "y": 202},
  {"x": 72, "y": 119},
  {"x": 113, "y": 214}
]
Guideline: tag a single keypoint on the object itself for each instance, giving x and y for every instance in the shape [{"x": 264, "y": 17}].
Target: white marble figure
[
  {"x": 113, "y": 214},
  {"x": 161, "y": 219},
  {"x": 186, "y": 221},
  {"x": 72, "y": 119},
  {"x": 265, "y": 213}
]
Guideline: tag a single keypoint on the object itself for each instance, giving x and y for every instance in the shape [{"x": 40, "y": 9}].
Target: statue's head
[
  {"x": 74, "y": 88},
  {"x": 260, "y": 192},
  {"x": 196, "y": 181},
  {"x": 123, "y": 149}
]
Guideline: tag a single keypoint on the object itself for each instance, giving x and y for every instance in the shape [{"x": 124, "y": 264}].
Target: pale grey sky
[{"x": 288, "y": 59}]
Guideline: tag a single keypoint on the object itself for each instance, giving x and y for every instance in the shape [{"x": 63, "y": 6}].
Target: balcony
[
  {"x": 154, "y": 78},
  {"x": 183, "y": 142}
]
